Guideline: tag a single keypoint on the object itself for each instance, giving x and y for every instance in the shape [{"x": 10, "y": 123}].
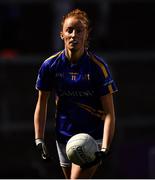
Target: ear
[{"x": 61, "y": 35}]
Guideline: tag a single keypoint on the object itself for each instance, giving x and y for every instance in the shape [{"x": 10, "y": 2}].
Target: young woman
[{"x": 83, "y": 92}]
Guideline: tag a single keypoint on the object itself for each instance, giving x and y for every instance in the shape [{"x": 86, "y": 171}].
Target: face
[{"x": 74, "y": 34}]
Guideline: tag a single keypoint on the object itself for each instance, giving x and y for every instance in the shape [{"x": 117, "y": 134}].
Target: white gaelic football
[{"x": 81, "y": 148}]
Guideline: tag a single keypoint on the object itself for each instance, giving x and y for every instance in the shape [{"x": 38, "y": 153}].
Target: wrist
[
  {"x": 39, "y": 140},
  {"x": 105, "y": 150}
]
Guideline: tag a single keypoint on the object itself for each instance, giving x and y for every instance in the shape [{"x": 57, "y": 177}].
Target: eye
[
  {"x": 78, "y": 31},
  {"x": 69, "y": 30}
]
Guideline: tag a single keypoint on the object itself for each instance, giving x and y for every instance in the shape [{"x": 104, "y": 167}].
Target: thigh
[
  {"x": 66, "y": 172},
  {"x": 64, "y": 161},
  {"x": 61, "y": 149},
  {"x": 79, "y": 173}
]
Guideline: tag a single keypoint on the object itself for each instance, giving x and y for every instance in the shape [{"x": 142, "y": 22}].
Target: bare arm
[
  {"x": 109, "y": 120},
  {"x": 40, "y": 114}
]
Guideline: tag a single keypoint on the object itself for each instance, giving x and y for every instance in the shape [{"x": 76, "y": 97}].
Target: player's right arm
[
  {"x": 40, "y": 122},
  {"x": 44, "y": 85},
  {"x": 40, "y": 114}
]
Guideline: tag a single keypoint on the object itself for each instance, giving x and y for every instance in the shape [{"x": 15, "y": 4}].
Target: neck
[{"x": 73, "y": 56}]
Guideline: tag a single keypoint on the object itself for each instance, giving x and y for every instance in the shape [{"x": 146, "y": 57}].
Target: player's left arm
[
  {"x": 108, "y": 132},
  {"x": 109, "y": 120}
]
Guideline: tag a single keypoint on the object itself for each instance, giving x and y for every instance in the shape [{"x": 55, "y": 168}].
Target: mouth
[{"x": 74, "y": 42}]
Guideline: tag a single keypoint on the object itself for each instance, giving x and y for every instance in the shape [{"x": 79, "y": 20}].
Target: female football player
[{"x": 84, "y": 91}]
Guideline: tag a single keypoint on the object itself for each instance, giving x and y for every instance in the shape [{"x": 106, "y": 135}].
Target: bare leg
[
  {"x": 67, "y": 172},
  {"x": 78, "y": 173}
]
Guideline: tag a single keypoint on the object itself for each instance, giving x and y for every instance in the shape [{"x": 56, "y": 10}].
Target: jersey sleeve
[
  {"x": 104, "y": 80},
  {"x": 44, "y": 79}
]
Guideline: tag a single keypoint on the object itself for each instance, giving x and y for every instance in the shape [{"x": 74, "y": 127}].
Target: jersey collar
[{"x": 65, "y": 59}]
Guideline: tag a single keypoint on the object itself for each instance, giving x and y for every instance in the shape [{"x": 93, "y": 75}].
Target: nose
[{"x": 73, "y": 33}]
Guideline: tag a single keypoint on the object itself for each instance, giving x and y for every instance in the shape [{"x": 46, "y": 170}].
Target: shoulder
[
  {"x": 96, "y": 59},
  {"x": 99, "y": 63},
  {"x": 52, "y": 60}
]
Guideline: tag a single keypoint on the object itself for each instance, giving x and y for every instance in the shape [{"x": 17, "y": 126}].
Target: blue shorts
[{"x": 61, "y": 148}]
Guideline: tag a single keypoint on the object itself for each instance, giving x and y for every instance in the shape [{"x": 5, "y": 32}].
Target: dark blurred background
[{"x": 123, "y": 32}]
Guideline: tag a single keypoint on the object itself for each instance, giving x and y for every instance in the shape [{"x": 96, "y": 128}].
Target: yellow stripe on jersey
[
  {"x": 100, "y": 65},
  {"x": 57, "y": 54},
  {"x": 103, "y": 70},
  {"x": 95, "y": 112}
]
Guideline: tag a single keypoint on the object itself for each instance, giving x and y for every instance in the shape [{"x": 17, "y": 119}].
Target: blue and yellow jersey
[{"x": 78, "y": 88}]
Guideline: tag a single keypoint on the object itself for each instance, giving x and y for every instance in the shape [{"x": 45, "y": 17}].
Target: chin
[{"x": 74, "y": 49}]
